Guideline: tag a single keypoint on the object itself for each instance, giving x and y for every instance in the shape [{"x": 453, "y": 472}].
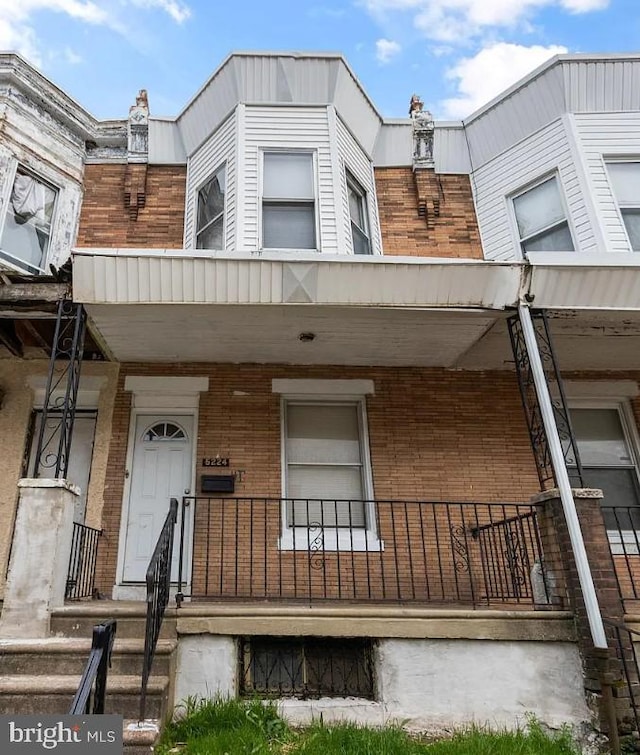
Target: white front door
[{"x": 161, "y": 470}]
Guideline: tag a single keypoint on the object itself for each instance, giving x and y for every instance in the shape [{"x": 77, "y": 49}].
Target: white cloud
[
  {"x": 490, "y": 72},
  {"x": 386, "y": 49},
  {"x": 72, "y": 57},
  {"x": 459, "y": 20},
  {"x": 17, "y": 16}
]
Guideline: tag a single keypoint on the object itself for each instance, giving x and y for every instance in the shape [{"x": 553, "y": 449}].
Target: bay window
[
  {"x": 288, "y": 201},
  {"x": 625, "y": 181},
  {"x": 542, "y": 220}
]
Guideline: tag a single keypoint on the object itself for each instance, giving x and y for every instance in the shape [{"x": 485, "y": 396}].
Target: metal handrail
[
  {"x": 158, "y": 587},
  {"x": 81, "y": 572},
  {"x": 96, "y": 670}
]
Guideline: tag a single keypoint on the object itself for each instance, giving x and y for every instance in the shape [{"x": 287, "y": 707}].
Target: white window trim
[
  {"x": 353, "y": 182},
  {"x": 337, "y": 539},
  {"x": 514, "y": 218},
  {"x": 619, "y": 541},
  {"x": 201, "y": 185},
  {"x": 620, "y": 207},
  {"x": 316, "y": 197},
  {"x": 15, "y": 262}
]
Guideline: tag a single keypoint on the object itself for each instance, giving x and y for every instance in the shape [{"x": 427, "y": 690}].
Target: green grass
[{"x": 234, "y": 727}]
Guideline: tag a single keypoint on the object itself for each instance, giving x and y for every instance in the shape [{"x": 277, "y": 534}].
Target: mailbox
[{"x": 219, "y": 483}]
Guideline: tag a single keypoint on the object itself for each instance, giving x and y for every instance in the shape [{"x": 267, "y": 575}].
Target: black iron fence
[
  {"x": 81, "y": 575},
  {"x": 90, "y": 696},
  {"x": 625, "y": 642},
  {"x": 623, "y": 528},
  {"x": 473, "y": 554},
  {"x": 158, "y": 588}
]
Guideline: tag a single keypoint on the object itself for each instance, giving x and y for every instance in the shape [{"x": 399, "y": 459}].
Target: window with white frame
[
  {"x": 288, "y": 201},
  {"x": 359, "y": 216},
  {"x": 210, "y": 219},
  {"x": 325, "y": 475},
  {"x": 542, "y": 220},
  {"x": 608, "y": 461},
  {"x": 625, "y": 181},
  {"x": 26, "y": 233}
]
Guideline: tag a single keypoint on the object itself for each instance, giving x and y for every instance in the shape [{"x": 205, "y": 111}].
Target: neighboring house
[{"x": 300, "y": 314}]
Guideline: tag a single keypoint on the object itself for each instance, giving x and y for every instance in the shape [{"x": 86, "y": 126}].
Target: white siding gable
[
  {"x": 546, "y": 152},
  {"x": 219, "y": 148},
  {"x": 603, "y": 135},
  {"x": 283, "y": 128},
  {"x": 354, "y": 159}
]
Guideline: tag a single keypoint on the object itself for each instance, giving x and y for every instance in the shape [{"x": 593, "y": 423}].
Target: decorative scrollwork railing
[{"x": 61, "y": 392}]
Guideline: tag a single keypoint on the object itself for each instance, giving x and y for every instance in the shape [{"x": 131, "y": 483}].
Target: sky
[{"x": 455, "y": 54}]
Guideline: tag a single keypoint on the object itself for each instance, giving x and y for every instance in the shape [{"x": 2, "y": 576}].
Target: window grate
[{"x": 306, "y": 667}]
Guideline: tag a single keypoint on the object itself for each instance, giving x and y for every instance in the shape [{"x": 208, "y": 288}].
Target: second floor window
[
  {"x": 210, "y": 230},
  {"x": 26, "y": 234},
  {"x": 542, "y": 220},
  {"x": 625, "y": 180},
  {"x": 358, "y": 214},
  {"x": 288, "y": 201}
]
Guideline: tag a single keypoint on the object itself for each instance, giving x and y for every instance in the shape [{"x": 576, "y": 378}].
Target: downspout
[{"x": 562, "y": 480}]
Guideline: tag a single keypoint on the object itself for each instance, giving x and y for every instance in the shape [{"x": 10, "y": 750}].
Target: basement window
[
  {"x": 26, "y": 233},
  {"x": 306, "y": 667}
]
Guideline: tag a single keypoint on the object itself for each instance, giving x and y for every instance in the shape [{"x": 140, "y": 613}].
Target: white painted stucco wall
[{"x": 427, "y": 685}]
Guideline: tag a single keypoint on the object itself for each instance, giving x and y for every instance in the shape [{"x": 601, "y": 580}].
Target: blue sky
[{"x": 456, "y": 54}]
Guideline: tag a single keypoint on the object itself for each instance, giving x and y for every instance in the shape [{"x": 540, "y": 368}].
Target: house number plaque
[{"x": 215, "y": 461}]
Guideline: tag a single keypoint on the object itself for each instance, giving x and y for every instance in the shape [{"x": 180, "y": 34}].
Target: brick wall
[
  {"x": 425, "y": 435},
  {"x": 115, "y": 215},
  {"x": 453, "y": 232}
]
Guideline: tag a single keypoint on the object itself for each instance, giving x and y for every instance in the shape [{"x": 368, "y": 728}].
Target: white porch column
[
  {"x": 562, "y": 480},
  {"x": 40, "y": 552}
]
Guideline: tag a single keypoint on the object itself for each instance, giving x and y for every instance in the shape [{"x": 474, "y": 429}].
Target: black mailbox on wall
[{"x": 219, "y": 483}]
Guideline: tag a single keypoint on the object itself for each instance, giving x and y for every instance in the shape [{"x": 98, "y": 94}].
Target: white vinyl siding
[
  {"x": 288, "y": 129},
  {"x": 604, "y": 136},
  {"x": 356, "y": 162},
  {"x": 219, "y": 149},
  {"x": 543, "y": 154}
]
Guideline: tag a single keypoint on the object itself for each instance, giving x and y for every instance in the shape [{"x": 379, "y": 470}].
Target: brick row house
[{"x": 383, "y": 367}]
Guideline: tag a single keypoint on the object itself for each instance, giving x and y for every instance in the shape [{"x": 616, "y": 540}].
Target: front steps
[{"x": 42, "y": 675}]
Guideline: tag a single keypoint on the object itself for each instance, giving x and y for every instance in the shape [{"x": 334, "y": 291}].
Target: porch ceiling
[
  {"x": 583, "y": 340},
  {"x": 271, "y": 334}
]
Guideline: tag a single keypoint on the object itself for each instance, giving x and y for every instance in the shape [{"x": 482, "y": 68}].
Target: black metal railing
[
  {"x": 531, "y": 403},
  {"x": 81, "y": 575},
  {"x": 472, "y": 554},
  {"x": 158, "y": 588},
  {"x": 623, "y": 528},
  {"x": 625, "y": 642},
  {"x": 93, "y": 684},
  {"x": 58, "y": 413}
]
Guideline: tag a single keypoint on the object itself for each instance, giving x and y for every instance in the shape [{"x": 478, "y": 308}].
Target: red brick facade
[
  {"x": 133, "y": 206},
  {"x": 426, "y": 215}
]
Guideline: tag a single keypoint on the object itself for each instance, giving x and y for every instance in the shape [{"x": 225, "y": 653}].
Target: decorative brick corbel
[{"x": 135, "y": 183}]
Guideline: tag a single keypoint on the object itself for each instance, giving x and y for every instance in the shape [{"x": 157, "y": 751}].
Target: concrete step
[
  {"x": 68, "y": 655},
  {"x": 34, "y": 694},
  {"x": 78, "y": 619},
  {"x": 140, "y": 738}
]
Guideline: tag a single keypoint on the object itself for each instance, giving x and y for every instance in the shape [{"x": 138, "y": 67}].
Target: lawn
[{"x": 231, "y": 727}]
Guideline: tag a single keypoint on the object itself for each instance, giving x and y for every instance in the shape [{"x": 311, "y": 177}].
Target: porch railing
[
  {"x": 625, "y": 642},
  {"x": 158, "y": 588},
  {"x": 472, "y": 554},
  {"x": 623, "y": 528},
  {"x": 94, "y": 677},
  {"x": 81, "y": 574}
]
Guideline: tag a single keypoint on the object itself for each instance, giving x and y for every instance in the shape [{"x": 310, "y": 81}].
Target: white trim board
[{"x": 318, "y": 387}]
